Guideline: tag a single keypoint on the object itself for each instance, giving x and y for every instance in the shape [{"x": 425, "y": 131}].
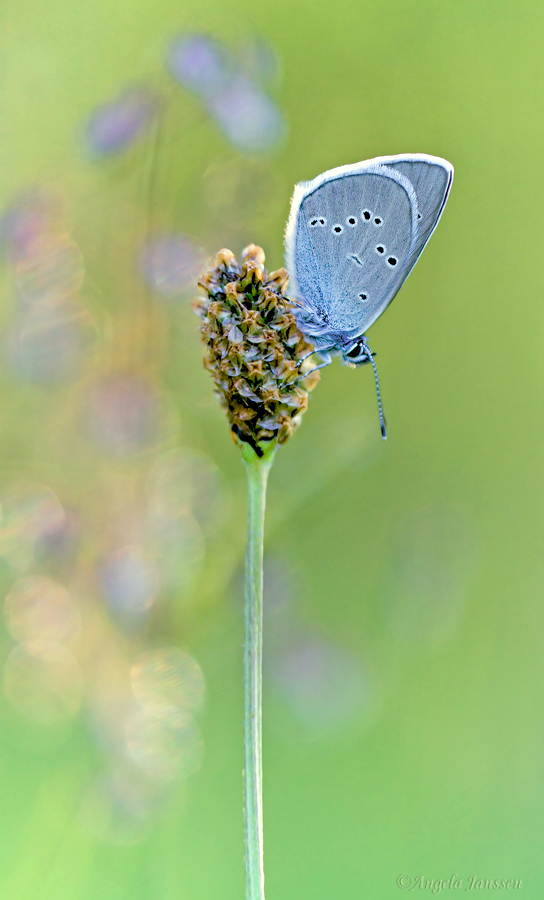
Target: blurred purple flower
[
  {"x": 114, "y": 126},
  {"x": 129, "y": 583},
  {"x": 170, "y": 264},
  {"x": 198, "y": 63},
  {"x": 29, "y": 217},
  {"x": 324, "y": 684},
  {"x": 49, "y": 346},
  {"x": 125, "y": 414},
  {"x": 248, "y": 117}
]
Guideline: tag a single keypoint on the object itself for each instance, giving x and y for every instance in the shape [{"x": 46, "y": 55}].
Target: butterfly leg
[
  {"x": 326, "y": 357},
  {"x": 301, "y": 360},
  {"x": 318, "y": 351}
]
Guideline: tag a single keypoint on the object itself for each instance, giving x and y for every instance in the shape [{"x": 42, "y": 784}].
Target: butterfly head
[{"x": 356, "y": 352}]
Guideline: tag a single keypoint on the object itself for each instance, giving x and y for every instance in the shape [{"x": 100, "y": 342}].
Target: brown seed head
[{"x": 253, "y": 348}]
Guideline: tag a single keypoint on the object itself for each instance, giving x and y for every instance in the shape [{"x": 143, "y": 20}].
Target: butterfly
[{"x": 353, "y": 236}]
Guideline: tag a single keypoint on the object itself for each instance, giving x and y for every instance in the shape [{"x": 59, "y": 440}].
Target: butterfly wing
[
  {"x": 353, "y": 236},
  {"x": 431, "y": 177}
]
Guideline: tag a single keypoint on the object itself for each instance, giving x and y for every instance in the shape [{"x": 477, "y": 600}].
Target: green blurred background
[{"x": 404, "y": 675}]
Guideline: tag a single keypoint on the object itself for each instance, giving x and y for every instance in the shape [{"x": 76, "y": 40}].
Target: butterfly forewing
[{"x": 431, "y": 178}]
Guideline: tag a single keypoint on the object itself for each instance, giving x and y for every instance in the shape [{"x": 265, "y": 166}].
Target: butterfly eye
[
  {"x": 367, "y": 215},
  {"x": 355, "y": 351},
  {"x": 352, "y": 221},
  {"x": 378, "y": 221},
  {"x": 392, "y": 261},
  {"x": 380, "y": 248},
  {"x": 338, "y": 229}
]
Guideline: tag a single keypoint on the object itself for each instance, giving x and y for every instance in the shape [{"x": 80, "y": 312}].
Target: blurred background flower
[
  {"x": 115, "y": 126},
  {"x": 248, "y": 117}
]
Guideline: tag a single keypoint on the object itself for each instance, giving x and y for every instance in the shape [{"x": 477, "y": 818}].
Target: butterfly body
[{"x": 353, "y": 236}]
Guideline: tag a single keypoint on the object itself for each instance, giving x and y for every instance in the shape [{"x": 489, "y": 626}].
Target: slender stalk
[{"x": 257, "y": 475}]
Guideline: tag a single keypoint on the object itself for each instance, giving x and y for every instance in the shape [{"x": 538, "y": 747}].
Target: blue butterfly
[{"x": 354, "y": 235}]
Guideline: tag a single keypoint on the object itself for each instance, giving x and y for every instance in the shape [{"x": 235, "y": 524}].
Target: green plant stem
[{"x": 257, "y": 474}]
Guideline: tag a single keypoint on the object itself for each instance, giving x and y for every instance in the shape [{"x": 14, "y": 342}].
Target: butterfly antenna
[{"x": 378, "y": 393}]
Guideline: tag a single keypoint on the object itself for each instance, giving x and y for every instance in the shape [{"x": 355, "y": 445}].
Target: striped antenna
[{"x": 378, "y": 393}]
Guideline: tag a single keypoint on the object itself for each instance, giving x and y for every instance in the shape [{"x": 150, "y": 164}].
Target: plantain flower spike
[{"x": 253, "y": 349}]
